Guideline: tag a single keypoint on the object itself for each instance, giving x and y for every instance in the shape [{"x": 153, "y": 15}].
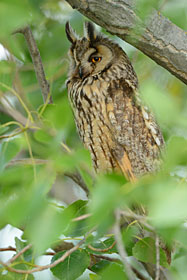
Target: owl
[{"x": 114, "y": 125}]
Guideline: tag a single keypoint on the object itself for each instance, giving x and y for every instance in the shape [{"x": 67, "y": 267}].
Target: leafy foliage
[
  {"x": 39, "y": 147},
  {"x": 73, "y": 266}
]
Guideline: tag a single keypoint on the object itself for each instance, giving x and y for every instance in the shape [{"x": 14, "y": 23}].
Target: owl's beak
[{"x": 80, "y": 72}]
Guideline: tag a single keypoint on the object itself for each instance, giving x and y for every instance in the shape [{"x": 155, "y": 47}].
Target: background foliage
[{"x": 35, "y": 194}]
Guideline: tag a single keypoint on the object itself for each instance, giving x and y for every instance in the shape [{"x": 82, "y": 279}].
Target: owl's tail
[{"x": 126, "y": 168}]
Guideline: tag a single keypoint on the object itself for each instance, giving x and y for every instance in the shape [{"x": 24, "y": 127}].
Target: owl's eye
[{"x": 95, "y": 59}]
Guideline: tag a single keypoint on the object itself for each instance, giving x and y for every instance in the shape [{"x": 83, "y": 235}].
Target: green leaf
[
  {"x": 8, "y": 150},
  {"x": 42, "y": 136},
  {"x": 176, "y": 153},
  {"x": 161, "y": 102},
  {"x": 88, "y": 179},
  {"x": 179, "y": 268},
  {"x": 76, "y": 209},
  {"x": 18, "y": 15},
  {"x": 145, "y": 251},
  {"x": 128, "y": 236},
  {"x": 100, "y": 266},
  {"x": 168, "y": 208},
  {"x": 180, "y": 252},
  {"x": 47, "y": 226},
  {"x": 113, "y": 271},
  {"x": 72, "y": 267},
  {"x": 3, "y": 129},
  {"x": 15, "y": 276},
  {"x": 27, "y": 256},
  {"x": 72, "y": 161},
  {"x": 59, "y": 115},
  {"x": 94, "y": 277},
  {"x": 105, "y": 197},
  {"x": 145, "y": 7}
]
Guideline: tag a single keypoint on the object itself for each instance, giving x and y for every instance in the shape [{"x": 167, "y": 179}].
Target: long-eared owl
[{"x": 120, "y": 133}]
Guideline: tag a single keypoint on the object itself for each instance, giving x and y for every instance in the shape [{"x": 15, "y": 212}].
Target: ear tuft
[
  {"x": 70, "y": 33},
  {"x": 89, "y": 30}
]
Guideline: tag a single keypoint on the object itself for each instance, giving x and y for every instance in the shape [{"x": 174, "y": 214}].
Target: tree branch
[
  {"x": 43, "y": 267},
  {"x": 158, "y": 38},
  {"x": 157, "y": 273},
  {"x": 120, "y": 247},
  {"x": 77, "y": 178},
  {"x": 37, "y": 62},
  {"x": 19, "y": 254},
  {"x": 102, "y": 250}
]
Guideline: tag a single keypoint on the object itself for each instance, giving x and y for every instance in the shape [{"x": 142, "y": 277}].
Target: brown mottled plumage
[{"x": 120, "y": 133}]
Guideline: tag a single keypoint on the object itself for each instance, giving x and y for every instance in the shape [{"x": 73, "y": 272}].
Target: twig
[
  {"x": 19, "y": 254},
  {"x": 157, "y": 272},
  {"x": 10, "y": 248},
  {"x": 82, "y": 217},
  {"x": 14, "y": 114},
  {"x": 102, "y": 250},
  {"x": 77, "y": 178},
  {"x": 38, "y": 66},
  {"x": 139, "y": 218},
  {"x": 44, "y": 267},
  {"x": 107, "y": 258},
  {"x": 27, "y": 161},
  {"x": 121, "y": 248},
  {"x": 62, "y": 246}
]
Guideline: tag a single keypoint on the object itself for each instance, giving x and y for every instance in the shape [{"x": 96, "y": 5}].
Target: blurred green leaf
[
  {"x": 3, "y": 129},
  {"x": 100, "y": 266},
  {"x": 76, "y": 209},
  {"x": 27, "y": 256},
  {"x": 176, "y": 12},
  {"x": 72, "y": 267},
  {"x": 8, "y": 150},
  {"x": 164, "y": 105},
  {"x": 42, "y": 136},
  {"x": 180, "y": 253},
  {"x": 60, "y": 114},
  {"x": 169, "y": 205},
  {"x": 176, "y": 152},
  {"x": 145, "y": 251},
  {"x": 46, "y": 226},
  {"x": 94, "y": 277},
  {"x": 71, "y": 161},
  {"x": 179, "y": 268},
  {"x": 18, "y": 15},
  {"x": 113, "y": 271},
  {"x": 145, "y": 7},
  {"x": 15, "y": 276},
  {"x": 129, "y": 235},
  {"x": 105, "y": 197}
]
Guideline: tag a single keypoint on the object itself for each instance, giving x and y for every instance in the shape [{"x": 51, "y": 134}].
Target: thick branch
[{"x": 159, "y": 38}]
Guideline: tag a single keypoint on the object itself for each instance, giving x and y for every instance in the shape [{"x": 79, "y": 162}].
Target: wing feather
[{"x": 134, "y": 130}]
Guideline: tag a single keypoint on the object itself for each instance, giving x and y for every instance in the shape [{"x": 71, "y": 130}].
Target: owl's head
[{"x": 91, "y": 54}]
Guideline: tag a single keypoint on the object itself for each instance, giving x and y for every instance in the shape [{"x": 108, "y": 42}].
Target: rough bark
[{"x": 158, "y": 37}]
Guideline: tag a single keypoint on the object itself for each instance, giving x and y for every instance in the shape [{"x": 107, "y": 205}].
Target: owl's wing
[{"x": 134, "y": 130}]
